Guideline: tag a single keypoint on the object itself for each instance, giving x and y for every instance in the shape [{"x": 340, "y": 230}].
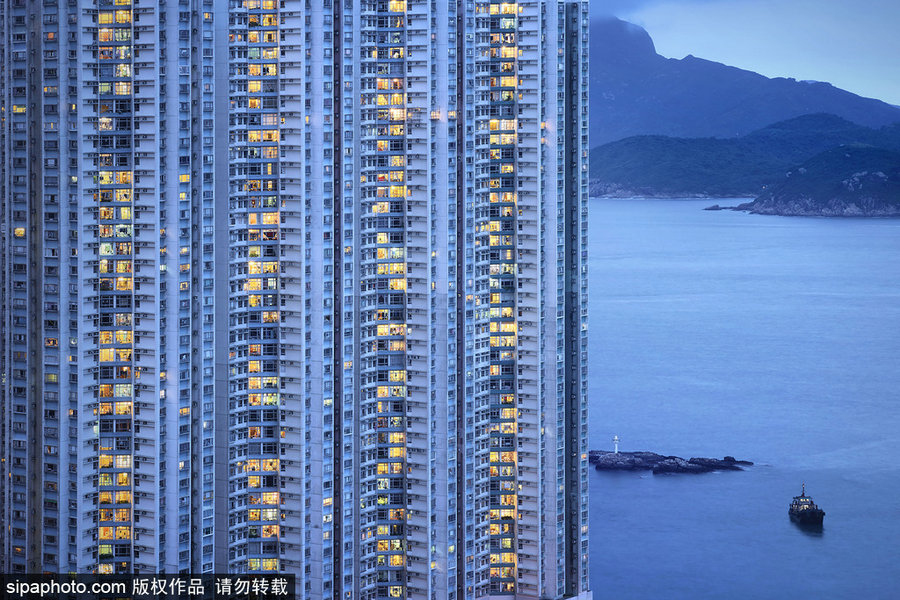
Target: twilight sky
[{"x": 853, "y": 44}]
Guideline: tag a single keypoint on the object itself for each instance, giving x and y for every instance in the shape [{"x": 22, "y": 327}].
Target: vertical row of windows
[
  {"x": 496, "y": 297},
  {"x": 33, "y": 310},
  {"x": 113, "y": 203},
  {"x": 383, "y": 300},
  {"x": 255, "y": 428}
]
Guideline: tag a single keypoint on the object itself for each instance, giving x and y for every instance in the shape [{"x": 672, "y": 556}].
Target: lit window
[{"x": 270, "y": 564}]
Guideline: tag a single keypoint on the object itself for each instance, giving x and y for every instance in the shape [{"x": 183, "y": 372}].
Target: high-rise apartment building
[
  {"x": 407, "y": 199},
  {"x": 320, "y": 278},
  {"x": 108, "y": 224}
]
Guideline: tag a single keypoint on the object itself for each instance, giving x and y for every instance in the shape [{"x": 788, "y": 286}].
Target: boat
[{"x": 804, "y": 511}]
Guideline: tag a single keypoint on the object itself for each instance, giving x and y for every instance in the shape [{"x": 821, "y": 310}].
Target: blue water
[{"x": 772, "y": 339}]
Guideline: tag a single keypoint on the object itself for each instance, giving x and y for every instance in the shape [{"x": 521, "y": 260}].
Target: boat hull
[{"x": 807, "y": 517}]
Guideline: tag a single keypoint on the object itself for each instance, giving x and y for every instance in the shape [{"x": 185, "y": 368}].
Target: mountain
[
  {"x": 635, "y": 91},
  {"x": 744, "y": 166},
  {"x": 848, "y": 181}
]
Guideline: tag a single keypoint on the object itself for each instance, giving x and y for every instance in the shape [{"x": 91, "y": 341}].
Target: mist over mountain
[{"x": 635, "y": 91}]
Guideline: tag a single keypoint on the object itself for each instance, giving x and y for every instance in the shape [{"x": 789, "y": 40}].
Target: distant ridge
[
  {"x": 635, "y": 91},
  {"x": 740, "y": 167}
]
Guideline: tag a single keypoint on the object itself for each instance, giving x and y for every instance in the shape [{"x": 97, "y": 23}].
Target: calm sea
[{"x": 772, "y": 339}]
